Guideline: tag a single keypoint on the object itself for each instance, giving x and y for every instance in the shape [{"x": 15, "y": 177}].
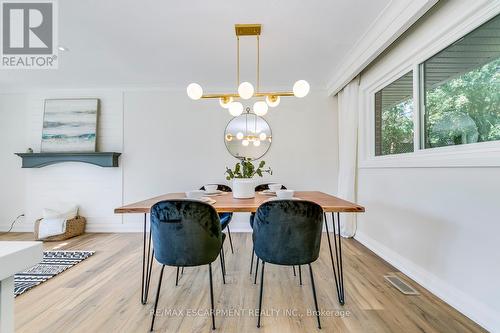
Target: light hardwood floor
[{"x": 102, "y": 294}]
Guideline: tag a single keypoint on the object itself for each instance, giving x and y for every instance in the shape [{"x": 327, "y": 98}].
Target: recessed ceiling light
[{"x": 62, "y": 48}]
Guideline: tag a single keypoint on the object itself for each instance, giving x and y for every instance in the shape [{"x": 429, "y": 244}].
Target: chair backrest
[
  {"x": 220, "y": 187},
  {"x": 185, "y": 232},
  {"x": 263, "y": 187},
  {"x": 288, "y": 232}
]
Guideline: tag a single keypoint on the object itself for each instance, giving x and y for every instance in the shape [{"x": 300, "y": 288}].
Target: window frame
[
  {"x": 413, "y": 109},
  {"x": 479, "y": 154}
]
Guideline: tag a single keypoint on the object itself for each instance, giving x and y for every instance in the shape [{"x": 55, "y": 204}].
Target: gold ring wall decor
[{"x": 248, "y": 136}]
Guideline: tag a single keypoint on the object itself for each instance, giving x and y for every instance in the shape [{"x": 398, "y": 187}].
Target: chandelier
[{"x": 245, "y": 89}]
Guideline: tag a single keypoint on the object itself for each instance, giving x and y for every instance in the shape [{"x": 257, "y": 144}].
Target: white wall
[
  {"x": 97, "y": 190},
  {"x": 438, "y": 225},
  {"x": 13, "y": 133},
  {"x": 169, "y": 143}
]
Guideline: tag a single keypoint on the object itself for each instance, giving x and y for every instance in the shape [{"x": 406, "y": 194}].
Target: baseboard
[
  {"x": 17, "y": 228},
  {"x": 476, "y": 311},
  {"x": 110, "y": 227},
  {"x": 90, "y": 227},
  {"x": 119, "y": 227}
]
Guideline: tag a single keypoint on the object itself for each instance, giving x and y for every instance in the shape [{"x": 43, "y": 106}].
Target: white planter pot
[{"x": 243, "y": 188}]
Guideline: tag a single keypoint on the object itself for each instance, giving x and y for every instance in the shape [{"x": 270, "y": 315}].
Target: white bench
[{"x": 14, "y": 258}]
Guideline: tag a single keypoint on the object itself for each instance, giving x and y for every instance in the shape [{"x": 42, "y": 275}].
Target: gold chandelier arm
[
  {"x": 257, "y": 94},
  {"x": 277, "y": 93},
  {"x": 220, "y": 95}
]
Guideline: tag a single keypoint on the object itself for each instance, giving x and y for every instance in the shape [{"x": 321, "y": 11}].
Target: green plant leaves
[
  {"x": 246, "y": 169},
  {"x": 230, "y": 174}
]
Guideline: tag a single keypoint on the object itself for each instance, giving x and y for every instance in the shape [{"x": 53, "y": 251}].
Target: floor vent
[{"x": 401, "y": 285}]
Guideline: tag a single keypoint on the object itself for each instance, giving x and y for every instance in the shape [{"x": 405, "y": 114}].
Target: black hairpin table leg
[
  {"x": 148, "y": 272},
  {"x": 338, "y": 270},
  {"x": 147, "y": 263}
]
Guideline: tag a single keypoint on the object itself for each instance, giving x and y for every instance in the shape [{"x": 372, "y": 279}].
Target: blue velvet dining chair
[
  {"x": 288, "y": 232},
  {"x": 260, "y": 188},
  {"x": 225, "y": 218},
  {"x": 186, "y": 233},
  {"x": 263, "y": 187}
]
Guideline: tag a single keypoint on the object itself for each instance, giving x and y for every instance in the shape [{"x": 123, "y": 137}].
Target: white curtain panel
[{"x": 348, "y": 147}]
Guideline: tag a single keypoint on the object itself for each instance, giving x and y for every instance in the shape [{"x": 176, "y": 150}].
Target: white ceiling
[{"x": 172, "y": 43}]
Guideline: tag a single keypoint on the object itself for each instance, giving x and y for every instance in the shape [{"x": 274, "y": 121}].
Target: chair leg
[
  {"x": 211, "y": 295},
  {"x": 256, "y": 271},
  {"x": 222, "y": 264},
  {"x": 157, "y": 297},
  {"x": 230, "y": 240},
  {"x": 300, "y": 275},
  {"x": 294, "y": 274},
  {"x": 314, "y": 295},
  {"x": 182, "y": 270},
  {"x": 251, "y": 262},
  {"x": 224, "y": 260},
  {"x": 261, "y": 291},
  {"x": 177, "y": 277}
]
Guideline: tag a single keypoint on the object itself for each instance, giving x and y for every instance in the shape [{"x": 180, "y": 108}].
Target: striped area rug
[{"x": 53, "y": 263}]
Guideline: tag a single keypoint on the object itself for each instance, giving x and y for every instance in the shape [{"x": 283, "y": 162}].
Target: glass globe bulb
[
  {"x": 235, "y": 109},
  {"x": 301, "y": 88},
  {"x": 262, "y": 136},
  {"x": 256, "y": 143},
  {"x": 273, "y": 101},
  {"x": 245, "y": 142},
  {"x": 260, "y": 108},
  {"x": 239, "y": 135},
  {"x": 225, "y": 102},
  {"x": 245, "y": 90},
  {"x": 194, "y": 91},
  {"x": 229, "y": 137}
]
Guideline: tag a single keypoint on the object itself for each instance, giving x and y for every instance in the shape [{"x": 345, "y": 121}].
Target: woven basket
[{"x": 74, "y": 227}]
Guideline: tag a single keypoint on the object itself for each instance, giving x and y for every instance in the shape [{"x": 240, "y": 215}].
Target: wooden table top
[{"x": 226, "y": 203}]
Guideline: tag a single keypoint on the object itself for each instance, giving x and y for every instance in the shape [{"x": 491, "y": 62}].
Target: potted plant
[{"x": 241, "y": 176}]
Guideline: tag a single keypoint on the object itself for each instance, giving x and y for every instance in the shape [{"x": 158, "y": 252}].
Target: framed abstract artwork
[{"x": 70, "y": 125}]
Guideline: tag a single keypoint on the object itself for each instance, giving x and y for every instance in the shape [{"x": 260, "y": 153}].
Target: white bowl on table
[
  {"x": 211, "y": 188},
  {"x": 285, "y": 194},
  {"x": 274, "y": 187},
  {"x": 196, "y": 194}
]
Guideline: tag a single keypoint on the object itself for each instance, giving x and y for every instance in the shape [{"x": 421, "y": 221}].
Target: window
[
  {"x": 394, "y": 117},
  {"x": 461, "y": 90}
]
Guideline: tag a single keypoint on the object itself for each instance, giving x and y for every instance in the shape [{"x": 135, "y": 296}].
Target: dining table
[{"x": 226, "y": 203}]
